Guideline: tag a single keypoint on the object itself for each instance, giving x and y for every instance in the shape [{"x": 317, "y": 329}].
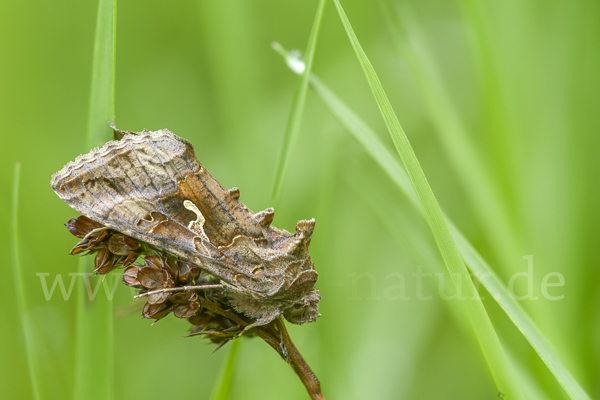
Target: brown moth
[{"x": 150, "y": 186}]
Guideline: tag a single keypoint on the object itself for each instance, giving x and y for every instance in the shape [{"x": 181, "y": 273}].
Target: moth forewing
[{"x": 150, "y": 186}]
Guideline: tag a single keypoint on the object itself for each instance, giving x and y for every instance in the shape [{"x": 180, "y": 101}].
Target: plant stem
[
  {"x": 276, "y": 336},
  {"x": 299, "y": 365}
]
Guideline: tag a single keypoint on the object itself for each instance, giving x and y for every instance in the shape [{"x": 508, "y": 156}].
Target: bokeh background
[{"x": 520, "y": 77}]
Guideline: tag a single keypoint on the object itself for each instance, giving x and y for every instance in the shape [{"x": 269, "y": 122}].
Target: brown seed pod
[
  {"x": 122, "y": 245},
  {"x": 156, "y": 311},
  {"x": 82, "y": 226},
  {"x": 105, "y": 261},
  {"x": 186, "y": 310},
  {"x": 130, "y": 277}
]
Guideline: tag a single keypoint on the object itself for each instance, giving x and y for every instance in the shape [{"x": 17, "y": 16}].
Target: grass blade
[
  {"x": 94, "y": 335},
  {"x": 102, "y": 93},
  {"x": 480, "y": 268},
  {"x": 473, "y": 307},
  {"x": 295, "y": 117},
  {"x": 492, "y": 282},
  {"x": 223, "y": 384},
  {"x": 26, "y": 324},
  {"x": 473, "y": 173}
]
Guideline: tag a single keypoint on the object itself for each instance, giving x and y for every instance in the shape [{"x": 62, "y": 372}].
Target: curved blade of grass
[
  {"x": 472, "y": 305},
  {"x": 223, "y": 384},
  {"x": 420, "y": 249},
  {"x": 94, "y": 335},
  {"x": 472, "y": 171},
  {"x": 489, "y": 279},
  {"x": 295, "y": 117},
  {"x": 492, "y": 282},
  {"x": 480, "y": 268},
  {"x": 26, "y": 324}
]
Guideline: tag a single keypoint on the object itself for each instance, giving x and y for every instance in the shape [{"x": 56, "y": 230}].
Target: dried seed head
[
  {"x": 153, "y": 261},
  {"x": 187, "y": 272},
  {"x": 122, "y": 245},
  {"x": 186, "y": 304},
  {"x": 160, "y": 271},
  {"x": 159, "y": 298},
  {"x": 130, "y": 277},
  {"x": 156, "y": 311},
  {"x": 183, "y": 297},
  {"x": 152, "y": 278},
  {"x": 91, "y": 242},
  {"x": 186, "y": 310},
  {"x": 171, "y": 266},
  {"x": 105, "y": 262},
  {"x": 130, "y": 259},
  {"x": 82, "y": 226}
]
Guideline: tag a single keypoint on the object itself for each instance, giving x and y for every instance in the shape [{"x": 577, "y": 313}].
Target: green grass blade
[
  {"x": 94, "y": 335},
  {"x": 357, "y": 128},
  {"x": 367, "y": 138},
  {"x": 472, "y": 172},
  {"x": 489, "y": 279},
  {"x": 492, "y": 282},
  {"x": 473, "y": 307},
  {"x": 26, "y": 324},
  {"x": 474, "y": 261},
  {"x": 295, "y": 117},
  {"x": 102, "y": 93},
  {"x": 223, "y": 384}
]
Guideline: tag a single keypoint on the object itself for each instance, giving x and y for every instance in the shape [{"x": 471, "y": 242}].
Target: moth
[{"x": 151, "y": 187}]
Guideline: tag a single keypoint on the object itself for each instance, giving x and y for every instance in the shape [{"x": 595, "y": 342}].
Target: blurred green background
[{"x": 521, "y": 78}]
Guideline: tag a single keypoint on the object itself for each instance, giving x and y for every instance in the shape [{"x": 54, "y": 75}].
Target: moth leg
[{"x": 179, "y": 289}]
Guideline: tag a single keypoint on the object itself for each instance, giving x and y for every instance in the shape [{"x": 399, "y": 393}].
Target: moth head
[
  {"x": 304, "y": 309},
  {"x": 303, "y": 304}
]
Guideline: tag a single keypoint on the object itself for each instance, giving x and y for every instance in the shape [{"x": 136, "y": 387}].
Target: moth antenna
[
  {"x": 234, "y": 193},
  {"x": 265, "y": 217}
]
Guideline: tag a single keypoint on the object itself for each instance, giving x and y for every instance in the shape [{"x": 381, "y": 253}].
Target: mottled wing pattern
[{"x": 151, "y": 187}]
